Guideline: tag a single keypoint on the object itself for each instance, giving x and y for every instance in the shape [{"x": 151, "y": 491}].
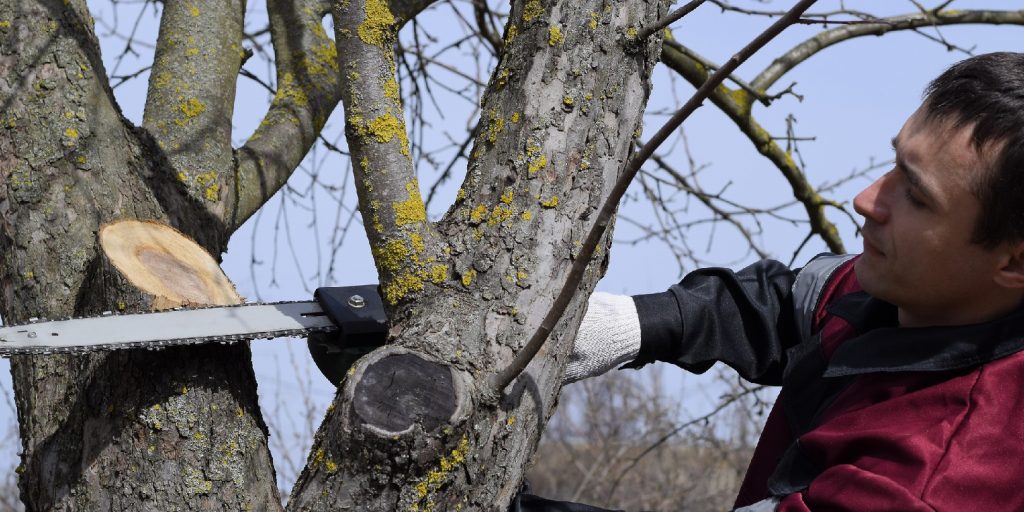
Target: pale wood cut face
[{"x": 166, "y": 264}]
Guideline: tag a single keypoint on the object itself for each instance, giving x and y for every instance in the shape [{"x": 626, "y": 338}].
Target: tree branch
[
  {"x": 673, "y": 17},
  {"x": 707, "y": 201},
  {"x": 191, "y": 95},
  {"x": 737, "y": 105},
  {"x": 405, "y": 249},
  {"x": 307, "y": 92},
  {"x": 812, "y": 46}
]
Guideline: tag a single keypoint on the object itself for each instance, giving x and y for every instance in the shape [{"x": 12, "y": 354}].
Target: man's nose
[{"x": 869, "y": 202}]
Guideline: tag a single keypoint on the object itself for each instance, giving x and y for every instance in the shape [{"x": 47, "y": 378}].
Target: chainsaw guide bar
[{"x": 157, "y": 330}]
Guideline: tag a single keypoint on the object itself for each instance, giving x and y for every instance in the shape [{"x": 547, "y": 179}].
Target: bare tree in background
[
  {"x": 617, "y": 441},
  {"x": 561, "y": 88}
]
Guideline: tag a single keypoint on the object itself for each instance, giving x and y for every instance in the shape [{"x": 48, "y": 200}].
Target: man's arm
[{"x": 744, "y": 319}]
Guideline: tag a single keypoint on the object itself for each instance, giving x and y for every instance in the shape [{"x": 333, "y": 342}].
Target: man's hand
[{"x": 608, "y": 337}]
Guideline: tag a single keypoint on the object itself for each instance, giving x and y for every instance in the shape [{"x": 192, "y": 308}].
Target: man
[{"x": 902, "y": 369}]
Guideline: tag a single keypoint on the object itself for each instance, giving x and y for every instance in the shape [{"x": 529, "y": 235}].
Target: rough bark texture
[
  {"x": 133, "y": 430},
  {"x": 561, "y": 110},
  {"x": 180, "y": 429}
]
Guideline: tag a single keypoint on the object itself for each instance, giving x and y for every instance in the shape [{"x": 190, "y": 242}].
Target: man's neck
[{"x": 961, "y": 314}]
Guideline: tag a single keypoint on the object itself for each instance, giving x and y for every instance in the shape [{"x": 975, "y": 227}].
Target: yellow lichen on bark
[
  {"x": 511, "y": 34},
  {"x": 537, "y": 164},
  {"x": 532, "y": 10},
  {"x": 391, "y": 254},
  {"x": 555, "y": 36},
  {"x": 383, "y": 129},
  {"x": 287, "y": 89},
  {"x": 467, "y": 277},
  {"x": 477, "y": 215},
  {"x": 412, "y": 210},
  {"x": 495, "y": 125},
  {"x": 436, "y": 477},
  {"x": 377, "y": 29},
  {"x": 391, "y": 90}
]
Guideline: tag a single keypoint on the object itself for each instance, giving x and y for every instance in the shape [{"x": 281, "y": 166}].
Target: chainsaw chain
[{"x": 159, "y": 344}]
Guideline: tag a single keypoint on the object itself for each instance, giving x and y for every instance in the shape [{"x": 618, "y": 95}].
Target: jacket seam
[
  {"x": 821, "y": 291},
  {"x": 956, "y": 432}
]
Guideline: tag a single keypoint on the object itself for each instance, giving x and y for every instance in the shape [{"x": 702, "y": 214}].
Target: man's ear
[{"x": 1011, "y": 271}]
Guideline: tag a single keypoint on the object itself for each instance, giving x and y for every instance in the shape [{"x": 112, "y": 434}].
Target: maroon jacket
[{"x": 871, "y": 416}]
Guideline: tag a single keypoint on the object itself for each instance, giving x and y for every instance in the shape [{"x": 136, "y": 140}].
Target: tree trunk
[
  {"x": 415, "y": 426},
  {"x": 130, "y": 430}
]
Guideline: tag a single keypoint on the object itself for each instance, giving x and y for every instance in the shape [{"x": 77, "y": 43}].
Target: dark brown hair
[{"x": 986, "y": 94}]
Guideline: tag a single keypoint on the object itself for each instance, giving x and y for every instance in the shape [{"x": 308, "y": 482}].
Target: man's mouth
[{"x": 870, "y": 247}]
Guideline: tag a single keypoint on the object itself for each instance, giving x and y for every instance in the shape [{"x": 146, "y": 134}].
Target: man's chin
[
  {"x": 867, "y": 275},
  {"x": 873, "y": 280}
]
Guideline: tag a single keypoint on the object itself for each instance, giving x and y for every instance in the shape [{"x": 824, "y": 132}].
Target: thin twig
[{"x": 671, "y": 18}]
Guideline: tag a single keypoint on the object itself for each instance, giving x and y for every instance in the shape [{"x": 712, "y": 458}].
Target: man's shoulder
[{"x": 824, "y": 278}]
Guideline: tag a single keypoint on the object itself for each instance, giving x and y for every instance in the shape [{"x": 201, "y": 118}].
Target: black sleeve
[{"x": 743, "y": 319}]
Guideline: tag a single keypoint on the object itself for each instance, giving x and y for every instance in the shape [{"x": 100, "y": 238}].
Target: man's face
[{"x": 918, "y": 222}]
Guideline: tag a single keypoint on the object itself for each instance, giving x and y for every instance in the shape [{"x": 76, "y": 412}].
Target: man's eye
[{"x": 914, "y": 201}]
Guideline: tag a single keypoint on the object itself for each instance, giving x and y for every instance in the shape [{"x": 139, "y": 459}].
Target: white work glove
[{"x": 608, "y": 337}]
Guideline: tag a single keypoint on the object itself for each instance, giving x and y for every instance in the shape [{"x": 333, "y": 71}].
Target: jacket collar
[{"x": 883, "y": 347}]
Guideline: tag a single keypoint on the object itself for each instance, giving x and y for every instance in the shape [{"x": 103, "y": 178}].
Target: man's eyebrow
[{"x": 913, "y": 177}]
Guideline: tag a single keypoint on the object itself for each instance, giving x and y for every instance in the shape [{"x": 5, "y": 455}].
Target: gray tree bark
[
  {"x": 131, "y": 430},
  {"x": 181, "y": 428},
  {"x": 415, "y": 426}
]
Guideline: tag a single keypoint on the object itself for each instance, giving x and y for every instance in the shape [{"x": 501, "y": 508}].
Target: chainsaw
[{"x": 341, "y": 325}]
